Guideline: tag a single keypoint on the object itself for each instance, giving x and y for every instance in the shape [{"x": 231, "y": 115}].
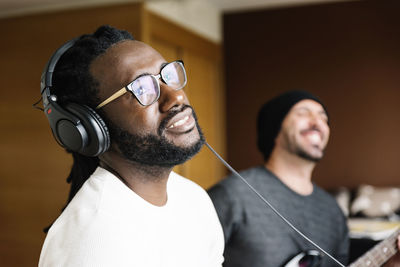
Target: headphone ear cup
[{"x": 96, "y": 129}]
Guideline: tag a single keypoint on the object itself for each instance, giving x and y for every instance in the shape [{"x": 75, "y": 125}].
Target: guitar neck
[{"x": 380, "y": 253}]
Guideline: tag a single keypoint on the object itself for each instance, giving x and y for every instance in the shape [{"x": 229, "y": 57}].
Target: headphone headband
[{"x": 47, "y": 75}]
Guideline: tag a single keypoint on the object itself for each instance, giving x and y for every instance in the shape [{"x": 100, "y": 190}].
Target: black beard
[
  {"x": 155, "y": 150},
  {"x": 304, "y": 155}
]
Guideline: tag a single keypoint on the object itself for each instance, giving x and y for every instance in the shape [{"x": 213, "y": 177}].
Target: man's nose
[
  {"x": 170, "y": 98},
  {"x": 318, "y": 120}
]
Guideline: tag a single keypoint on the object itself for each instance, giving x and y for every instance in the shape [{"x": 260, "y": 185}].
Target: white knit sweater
[{"x": 107, "y": 224}]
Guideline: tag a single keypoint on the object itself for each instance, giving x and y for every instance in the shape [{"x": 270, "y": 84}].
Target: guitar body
[{"x": 375, "y": 257}]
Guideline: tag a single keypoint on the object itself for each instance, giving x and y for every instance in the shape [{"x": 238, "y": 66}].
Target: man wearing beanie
[{"x": 293, "y": 132}]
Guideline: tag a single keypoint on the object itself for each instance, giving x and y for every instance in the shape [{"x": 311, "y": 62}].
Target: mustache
[
  {"x": 312, "y": 128},
  {"x": 170, "y": 115}
]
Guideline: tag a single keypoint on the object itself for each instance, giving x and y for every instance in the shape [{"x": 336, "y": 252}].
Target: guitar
[
  {"x": 380, "y": 253},
  {"x": 375, "y": 257}
]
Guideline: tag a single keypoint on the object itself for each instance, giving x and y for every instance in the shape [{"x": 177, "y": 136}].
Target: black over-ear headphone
[{"x": 76, "y": 127}]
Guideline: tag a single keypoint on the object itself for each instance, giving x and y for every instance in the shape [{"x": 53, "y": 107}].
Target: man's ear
[{"x": 278, "y": 140}]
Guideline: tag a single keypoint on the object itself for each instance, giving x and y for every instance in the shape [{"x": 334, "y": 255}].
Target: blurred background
[{"x": 238, "y": 54}]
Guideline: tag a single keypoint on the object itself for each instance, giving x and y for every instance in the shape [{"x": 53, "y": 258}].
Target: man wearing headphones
[{"x": 119, "y": 108}]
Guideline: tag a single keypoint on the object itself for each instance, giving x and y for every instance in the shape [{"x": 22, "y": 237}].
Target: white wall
[
  {"x": 196, "y": 15},
  {"x": 199, "y": 16}
]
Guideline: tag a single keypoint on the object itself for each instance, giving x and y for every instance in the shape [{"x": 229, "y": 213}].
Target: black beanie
[{"x": 272, "y": 114}]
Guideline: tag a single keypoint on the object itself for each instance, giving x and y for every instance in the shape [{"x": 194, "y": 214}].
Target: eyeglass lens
[
  {"x": 147, "y": 89},
  {"x": 174, "y": 75}
]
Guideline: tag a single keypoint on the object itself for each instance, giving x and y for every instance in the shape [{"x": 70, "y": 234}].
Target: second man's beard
[{"x": 303, "y": 154}]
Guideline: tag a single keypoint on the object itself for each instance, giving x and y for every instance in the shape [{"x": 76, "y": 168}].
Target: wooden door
[{"x": 204, "y": 90}]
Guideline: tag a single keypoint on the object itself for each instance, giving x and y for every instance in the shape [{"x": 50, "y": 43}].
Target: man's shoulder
[
  {"x": 176, "y": 179},
  {"x": 322, "y": 193},
  {"x": 179, "y": 185},
  {"x": 254, "y": 175},
  {"x": 93, "y": 200},
  {"x": 232, "y": 185},
  {"x": 325, "y": 198}
]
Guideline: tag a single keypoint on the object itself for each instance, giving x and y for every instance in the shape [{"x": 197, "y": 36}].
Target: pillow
[{"x": 376, "y": 201}]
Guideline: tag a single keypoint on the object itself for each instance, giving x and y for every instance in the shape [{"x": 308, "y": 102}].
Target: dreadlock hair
[{"x": 72, "y": 82}]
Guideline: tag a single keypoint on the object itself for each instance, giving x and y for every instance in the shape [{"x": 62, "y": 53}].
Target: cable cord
[{"x": 272, "y": 207}]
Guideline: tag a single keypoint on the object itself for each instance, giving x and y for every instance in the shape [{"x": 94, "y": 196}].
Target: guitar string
[{"x": 272, "y": 207}]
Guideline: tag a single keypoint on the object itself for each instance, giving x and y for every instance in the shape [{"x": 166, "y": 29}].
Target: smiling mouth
[
  {"x": 182, "y": 126},
  {"x": 179, "y": 123},
  {"x": 315, "y": 136}
]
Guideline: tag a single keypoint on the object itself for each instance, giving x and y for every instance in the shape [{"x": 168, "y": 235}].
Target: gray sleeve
[{"x": 227, "y": 208}]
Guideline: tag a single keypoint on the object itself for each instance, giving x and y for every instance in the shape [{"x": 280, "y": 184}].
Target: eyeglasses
[{"x": 146, "y": 88}]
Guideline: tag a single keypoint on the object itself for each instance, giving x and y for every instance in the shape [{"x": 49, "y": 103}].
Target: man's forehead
[
  {"x": 308, "y": 104},
  {"x": 128, "y": 57},
  {"x": 132, "y": 49}
]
